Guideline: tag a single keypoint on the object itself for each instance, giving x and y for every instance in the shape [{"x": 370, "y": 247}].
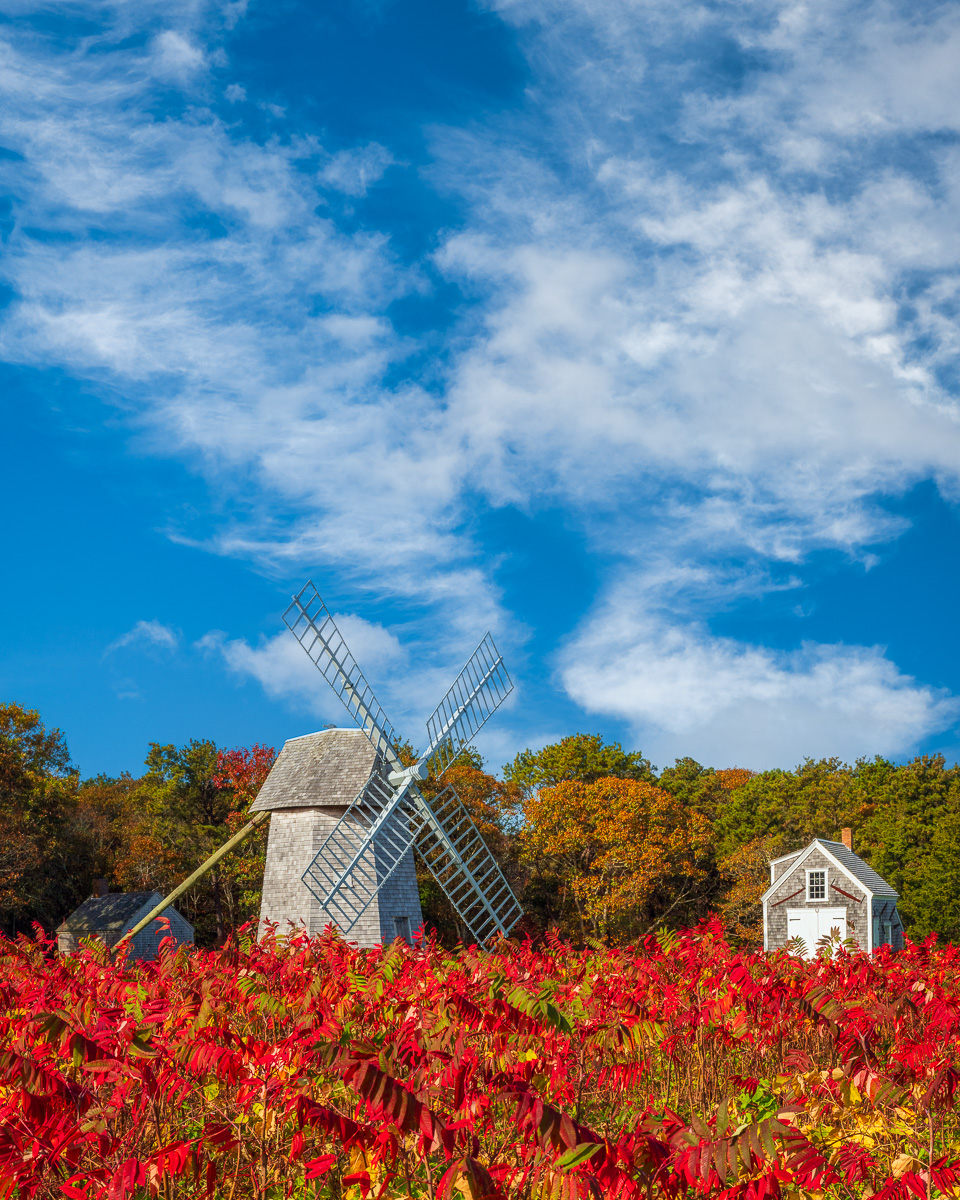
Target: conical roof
[{"x": 318, "y": 770}]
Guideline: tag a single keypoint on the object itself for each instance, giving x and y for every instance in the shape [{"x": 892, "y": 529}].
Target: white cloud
[
  {"x": 284, "y": 670},
  {"x": 175, "y": 58},
  {"x": 686, "y": 692},
  {"x": 234, "y": 92},
  {"x": 147, "y": 633},
  {"x": 408, "y": 679},
  {"x": 354, "y": 171}
]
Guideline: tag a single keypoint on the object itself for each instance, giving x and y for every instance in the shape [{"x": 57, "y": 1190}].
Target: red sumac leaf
[{"x": 320, "y": 1166}]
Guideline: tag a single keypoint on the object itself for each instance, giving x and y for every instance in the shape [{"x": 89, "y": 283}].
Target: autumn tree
[
  {"x": 241, "y": 772},
  {"x": 107, "y": 810},
  {"x": 40, "y": 875},
  {"x": 180, "y": 819},
  {"x": 626, "y": 854}
]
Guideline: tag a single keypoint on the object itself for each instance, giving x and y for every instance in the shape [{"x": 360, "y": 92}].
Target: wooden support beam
[
  {"x": 786, "y": 898},
  {"x": 192, "y": 879}
]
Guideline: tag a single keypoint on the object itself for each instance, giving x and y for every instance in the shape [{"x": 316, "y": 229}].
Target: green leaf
[
  {"x": 767, "y": 1138},
  {"x": 578, "y": 1154}
]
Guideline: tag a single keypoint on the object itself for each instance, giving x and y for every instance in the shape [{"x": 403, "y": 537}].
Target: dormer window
[{"x": 816, "y": 885}]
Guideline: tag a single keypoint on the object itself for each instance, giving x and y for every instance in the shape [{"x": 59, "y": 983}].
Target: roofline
[
  {"x": 327, "y": 729},
  {"x": 784, "y": 857},
  {"x": 824, "y": 845}
]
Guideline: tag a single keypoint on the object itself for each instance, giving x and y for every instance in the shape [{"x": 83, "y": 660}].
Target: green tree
[
  {"x": 181, "y": 818},
  {"x": 41, "y": 878},
  {"x": 583, "y": 757},
  {"x": 703, "y": 790},
  {"x": 931, "y": 900},
  {"x": 910, "y": 812},
  {"x": 816, "y": 800}
]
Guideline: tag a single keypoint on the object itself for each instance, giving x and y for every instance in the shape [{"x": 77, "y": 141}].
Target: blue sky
[{"x": 627, "y": 331}]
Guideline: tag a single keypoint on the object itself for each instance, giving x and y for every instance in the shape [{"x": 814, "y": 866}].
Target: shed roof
[
  {"x": 317, "y": 770},
  {"x": 109, "y": 914},
  {"x": 852, "y": 863},
  {"x": 856, "y": 866}
]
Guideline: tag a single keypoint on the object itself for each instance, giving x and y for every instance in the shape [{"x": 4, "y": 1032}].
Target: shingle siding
[
  {"x": 851, "y": 884},
  {"x": 147, "y": 942},
  {"x": 334, "y": 765},
  {"x": 863, "y": 871},
  {"x": 886, "y": 910},
  {"x": 782, "y": 865},
  {"x": 780, "y": 900},
  {"x": 325, "y": 769}
]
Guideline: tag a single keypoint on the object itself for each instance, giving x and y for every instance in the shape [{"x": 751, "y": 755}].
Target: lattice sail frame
[
  {"x": 380, "y": 827},
  {"x": 385, "y": 822},
  {"x": 475, "y": 695},
  {"x": 310, "y": 622}
]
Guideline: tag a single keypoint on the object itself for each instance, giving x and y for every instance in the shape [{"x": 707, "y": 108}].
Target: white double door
[{"x": 812, "y": 924}]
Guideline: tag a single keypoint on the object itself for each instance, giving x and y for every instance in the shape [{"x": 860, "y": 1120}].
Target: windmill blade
[
  {"x": 370, "y": 840},
  {"x": 312, "y": 625},
  {"x": 364, "y": 849},
  {"x": 476, "y": 693},
  {"x": 456, "y": 855}
]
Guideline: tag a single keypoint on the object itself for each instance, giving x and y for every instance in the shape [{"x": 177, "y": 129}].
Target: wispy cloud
[
  {"x": 712, "y": 318},
  {"x": 280, "y": 665},
  {"x": 149, "y": 634},
  {"x": 353, "y": 171}
]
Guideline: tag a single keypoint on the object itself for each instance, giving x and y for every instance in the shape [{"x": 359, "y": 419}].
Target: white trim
[
  {"x": 774, "y": 862},
  {"x": 817, "y": 844},
  {"x": 765, "y": 931},
  {"x": 825, "y": 872},
  {"x": 870, "y": 924}
]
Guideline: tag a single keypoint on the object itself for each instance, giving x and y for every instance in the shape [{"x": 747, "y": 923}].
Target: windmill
[
  {"x": 345, "y": 857},
  {"x": 370, "y": 845}
]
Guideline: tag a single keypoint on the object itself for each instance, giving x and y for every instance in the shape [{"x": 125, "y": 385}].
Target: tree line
[{"x": 596, "y": 842}]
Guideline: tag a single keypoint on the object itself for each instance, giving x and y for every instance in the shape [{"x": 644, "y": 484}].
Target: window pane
[{"x": 818, "y": 885}]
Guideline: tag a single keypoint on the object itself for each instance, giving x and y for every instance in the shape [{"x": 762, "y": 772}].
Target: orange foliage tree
[
  {"x": 243, "y": 772},
  {"x": 625, "y": 852}
]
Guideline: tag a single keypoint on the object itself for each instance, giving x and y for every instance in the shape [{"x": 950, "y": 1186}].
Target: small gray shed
[
  {"x": 827, "y": 887},
  {"x": 109, "y": 917}
]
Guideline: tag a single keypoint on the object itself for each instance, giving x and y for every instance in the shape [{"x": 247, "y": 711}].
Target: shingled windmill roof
[{"x": 318, "y": 770}]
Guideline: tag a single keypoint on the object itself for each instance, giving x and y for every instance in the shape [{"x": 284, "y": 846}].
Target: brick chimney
[
  {"x": 101, "y": 887},
  {"x": 846, "y": 835}
]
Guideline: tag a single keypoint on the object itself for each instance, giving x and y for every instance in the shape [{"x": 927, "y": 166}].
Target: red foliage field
[{"x": 681, "y": 1068}]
